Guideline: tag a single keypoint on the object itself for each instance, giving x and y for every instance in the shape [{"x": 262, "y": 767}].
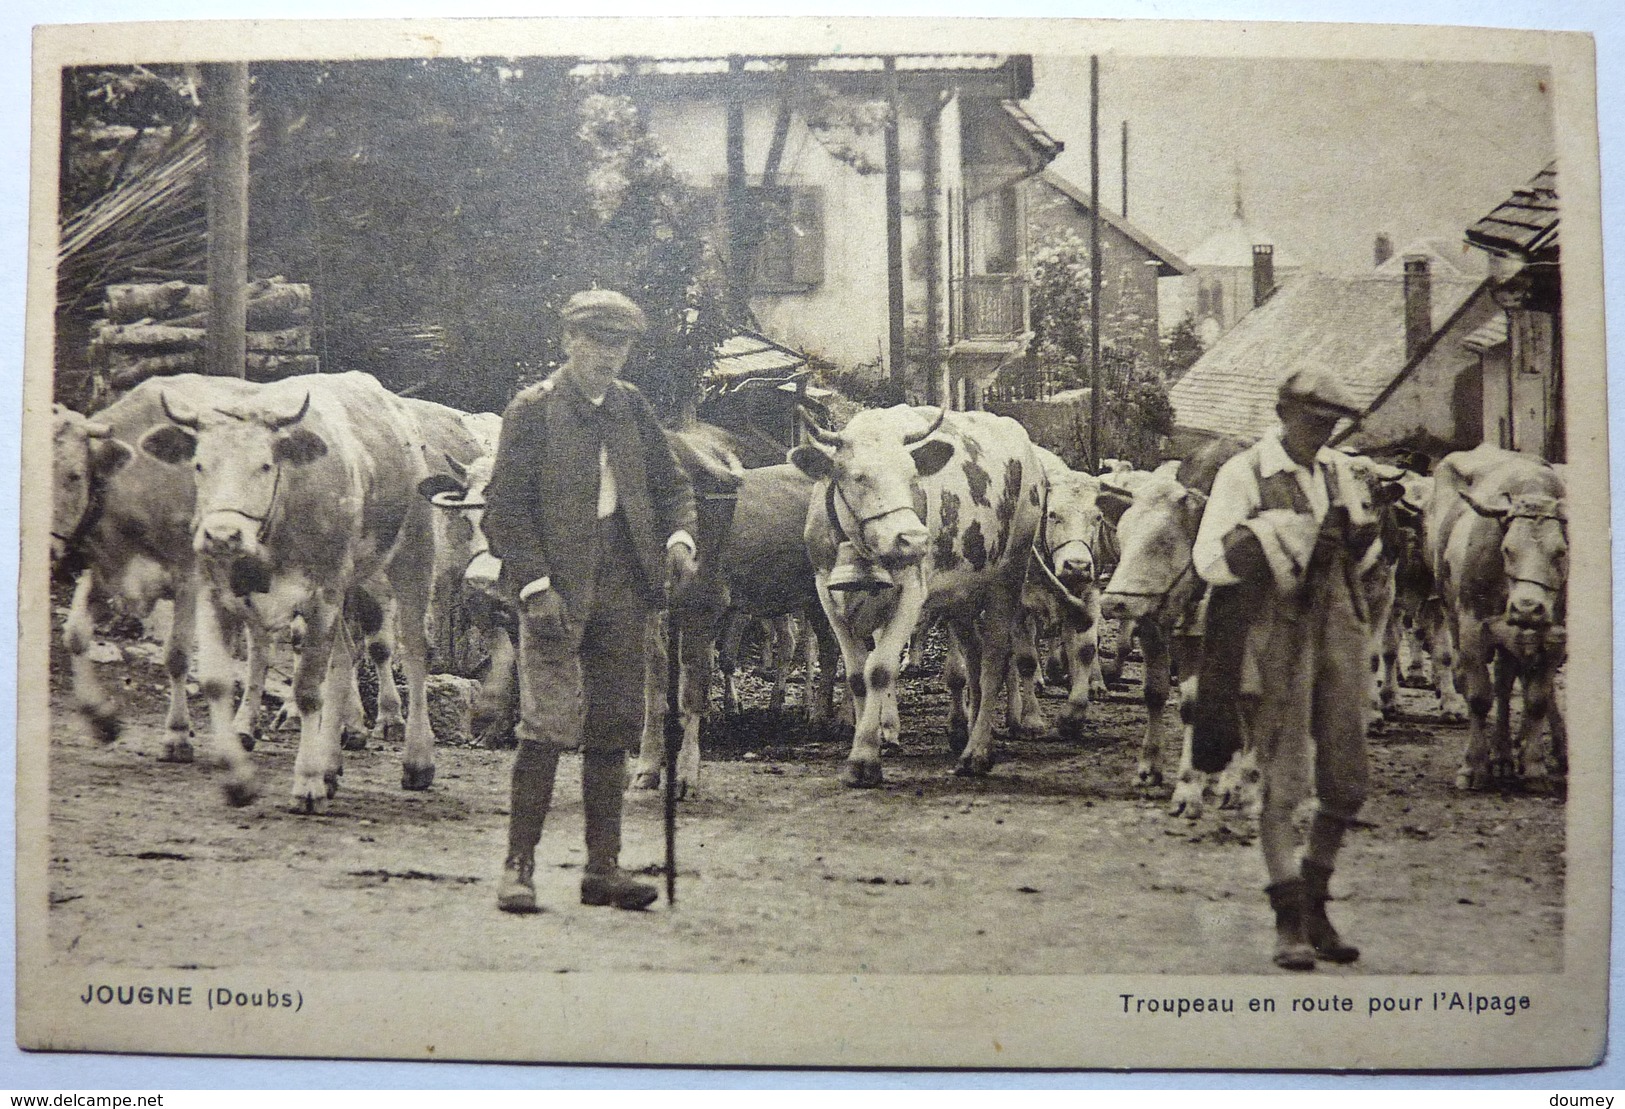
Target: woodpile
[{"x": 154, "y": 330}]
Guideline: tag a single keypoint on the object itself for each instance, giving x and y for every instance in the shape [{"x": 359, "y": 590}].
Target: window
[
  {"x": 790, "y": 256},
  {"x": 994, "y": 226}
]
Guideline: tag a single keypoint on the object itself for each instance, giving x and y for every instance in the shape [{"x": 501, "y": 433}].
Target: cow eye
[
  {"x": 265, "y": 467},
  {"x": 198, "y": 466}
]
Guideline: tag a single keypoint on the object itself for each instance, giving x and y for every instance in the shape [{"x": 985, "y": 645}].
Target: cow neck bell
[{"x": 853, "y": 573}]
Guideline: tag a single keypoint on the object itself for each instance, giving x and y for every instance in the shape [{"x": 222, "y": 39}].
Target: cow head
[
  {"x": 239, "y": 458},
  {"x": 1155, "y": 532},
  {"x": 1534, "y": 554},
  {"x": 463, "y": 490},
  {"x": 873, "y": 467},
  {"x": 83, "y": 453},
  {"x": 1070, "y": 534}
]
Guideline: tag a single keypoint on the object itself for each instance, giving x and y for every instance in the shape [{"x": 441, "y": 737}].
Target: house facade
[
  {"x": 869, "y": 209},
  {"x": 1132, "y": 263},
  {"x": 1224, "y": 272}
]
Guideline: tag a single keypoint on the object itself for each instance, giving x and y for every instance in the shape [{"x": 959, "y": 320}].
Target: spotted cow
[
  {"x": 920, "y": 513},
  {"x": 1061, "y": 600},
  {"x": 121, "y": 530},
  {"x": 1497, "y": 542},
  {"x": 306, "y": 497},
  {"x": 1157, "y": 594}
]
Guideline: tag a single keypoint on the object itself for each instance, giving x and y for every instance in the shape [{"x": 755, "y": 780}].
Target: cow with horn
[
  {"x": 919, "y": 514},
  {"x": 305, "y": 499}
]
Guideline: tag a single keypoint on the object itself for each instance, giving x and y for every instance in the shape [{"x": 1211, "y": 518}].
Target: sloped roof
[
  {"x": 1354, "y": 326},
  {"x": 1233, "y": 246},
  {"x": 745, "y": 356},
  {"x": 1172, "y": 265},
  {"x": 1446, "y": 257},
  {"x": 1525, "y": 223}
]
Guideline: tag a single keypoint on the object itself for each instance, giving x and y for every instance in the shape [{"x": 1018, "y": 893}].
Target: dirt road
[{"x": 1055, "y": 864}]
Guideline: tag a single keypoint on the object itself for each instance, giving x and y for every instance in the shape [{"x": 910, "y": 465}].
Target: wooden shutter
[{"x": 807, "y": 218}]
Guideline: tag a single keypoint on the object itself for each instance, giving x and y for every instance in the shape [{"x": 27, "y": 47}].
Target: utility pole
[
  {"x": 225, "y": 126},
  {"x": 1094, "y": 263},
  {"x": 894, "y": 234},
  {"x": 1125, "y": 169}
]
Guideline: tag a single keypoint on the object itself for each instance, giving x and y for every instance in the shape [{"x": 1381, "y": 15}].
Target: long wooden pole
[
  {"x": 894, "y": 233},
  {"x": 225, "y": 123},
  {"x": 1125, "y": 169},
  {"x": 1094, "y": 263}
]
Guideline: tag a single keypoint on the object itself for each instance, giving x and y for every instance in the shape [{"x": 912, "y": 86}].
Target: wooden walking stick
[{"x": 673, "y": 743}]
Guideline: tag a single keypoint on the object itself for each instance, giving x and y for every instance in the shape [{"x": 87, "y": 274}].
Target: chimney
[
  {"x": 1382, "y": 249},
  {"x": 1263, "y": 272},
  {"x": 1418, "y": 304}
]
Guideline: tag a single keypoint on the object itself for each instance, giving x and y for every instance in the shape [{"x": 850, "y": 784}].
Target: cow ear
[
  {"x": 169, "y": 443},
  {"x": 299, "y": 446},
  {"x": 440, "y": 483},
  {"x": 1113, "y": 503},
  {"x": 1493, "y": 511},
  {"x": 1195, "y": 503},
  {"x": 110, "y": 454},
  {"x": 931, "y": 456},
  {"x": 811, "y": 461}
]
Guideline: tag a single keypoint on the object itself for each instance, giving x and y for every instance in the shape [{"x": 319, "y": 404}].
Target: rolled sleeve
[{"x": 1234, "y": 498}]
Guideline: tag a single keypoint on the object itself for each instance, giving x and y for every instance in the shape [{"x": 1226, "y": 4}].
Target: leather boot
[
  {"x": 1317, "y": 927},
  {"x": 530, "y": 796},
  {"x": 1292, "y": 950},
  {"x": 603, "y": 783}
]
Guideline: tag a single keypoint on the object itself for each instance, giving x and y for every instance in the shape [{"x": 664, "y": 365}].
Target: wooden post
[
  {"x": 1094, "y": 263},
  {"x": 894, "y": 233},
  {"x": 1125, "y": 169},
  {"x": 225, "y": 125},
  {"x": 936, "y": 379},
  {"x": 739, "y": 246}
]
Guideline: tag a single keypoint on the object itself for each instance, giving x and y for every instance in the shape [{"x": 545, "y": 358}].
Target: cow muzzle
[
  {"x": 900, "y": 547},
  {"x": 227, "y": 534},
  {"x": 1074, "y": 564}
]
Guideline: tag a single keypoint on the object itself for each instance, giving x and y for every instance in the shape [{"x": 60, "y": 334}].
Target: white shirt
[{"x": 1236, "y": 499}]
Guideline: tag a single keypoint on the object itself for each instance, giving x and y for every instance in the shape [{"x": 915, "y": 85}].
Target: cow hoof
[
  {"x": 247, "y": 739},
  {"x": 309, "y": 806},
  {"x": 1468, "y": 780},
  {"x": 240, "y": 793},
  {"x": 1148, "y": 777},
  {"x": 417, "y": 777},
  {"x": 177, "y": 750},
  {"x": 331, "y": 781},
  {"x": 351, "y": 739},
  {"x": 104, "y": 727},
  {"x": 976, "y": 766},
  {"x": 646, "y": 779},
  {"x": 860, "y": 775},
  {"x": 496, "y": 739},
  {"x": 395, "y": 732},
  {"x": 958, "y": 737},
  {"x": 1187, "y": 801}
]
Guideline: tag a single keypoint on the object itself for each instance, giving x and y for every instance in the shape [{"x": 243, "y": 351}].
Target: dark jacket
[{"x": 542, "y": 503}]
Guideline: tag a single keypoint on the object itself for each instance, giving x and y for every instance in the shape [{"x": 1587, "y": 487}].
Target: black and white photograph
[{"x": 835, "y": 543}]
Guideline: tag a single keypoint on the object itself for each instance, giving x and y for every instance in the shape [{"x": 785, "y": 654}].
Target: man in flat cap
[
  {"x": 1287, "y": 530},
  {"x": 592, "y": 518}
]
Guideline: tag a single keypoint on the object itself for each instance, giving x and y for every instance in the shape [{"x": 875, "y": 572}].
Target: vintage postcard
[{"x": 491, "y": 605}]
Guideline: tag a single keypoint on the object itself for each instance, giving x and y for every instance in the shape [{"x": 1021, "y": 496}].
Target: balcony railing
[{"x": 995, "y": 307}]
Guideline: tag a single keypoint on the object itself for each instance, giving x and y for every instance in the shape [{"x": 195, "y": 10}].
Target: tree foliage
[
  {"x": 1135, "y": 412},
  {"x": 444, "y": 209},
  {"x": 1181, "y": 347}
]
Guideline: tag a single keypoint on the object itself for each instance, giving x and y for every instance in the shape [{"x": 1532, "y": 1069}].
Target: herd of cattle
[{"x": 330, "y": 508}]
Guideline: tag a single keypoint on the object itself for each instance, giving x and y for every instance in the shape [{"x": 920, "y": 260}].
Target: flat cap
[
  {"x": 1315, "y": 387},
  {"x": 604, "y": 311}
]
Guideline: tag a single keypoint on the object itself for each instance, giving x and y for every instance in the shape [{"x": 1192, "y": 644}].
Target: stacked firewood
[{"x": 157, "y": 330}]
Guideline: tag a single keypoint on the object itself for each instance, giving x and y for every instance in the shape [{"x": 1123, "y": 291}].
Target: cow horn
[
  {"x": 821, "y": 435},
  {"x": 910, "y": 440},
  {"x": 95, "y": 430},
  {"x": 277, "y": 423},
  {"x": 183, "y": 417}
]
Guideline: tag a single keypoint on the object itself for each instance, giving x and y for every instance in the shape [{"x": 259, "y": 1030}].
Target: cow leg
[
  {"x": 177, "y": 661},
  {"x": 247, "y": 721},
  {"x": 729, "y": 645},
  {"x": 216, "y": 674},
  {"x": 316, "y": 679},
  {"x": 383, "y": 626},
  {"x": 1191, "y": 786},
  {"x": 1111, "y": 662},
  {"x": 1389, "y": 681},
  {"x": 992, "y": 639},
  {"x": 1155, "y": 662},
  {"x": 493, "y": 716},
  {"x": 872, "y": 677},
  {"x": 1540, "y": 705},
  {"x": 1083, "y": 656},
  {"x": 1023, "y": 716},
  {"x": 821, "y": 691},
  {"x": 1441, "y": 645},
  {"x": 694, "y": 696},
  {"x": 1505, "y": 763},
  {"x": 783, "y": 649},
  {"x": 417, "y": 760},
  {"x": 651, "y": 759},
  {"x": 346, "y": 700},
  {"x": 1473, "y": 675},
  {"x": 78, "y": 634}
]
